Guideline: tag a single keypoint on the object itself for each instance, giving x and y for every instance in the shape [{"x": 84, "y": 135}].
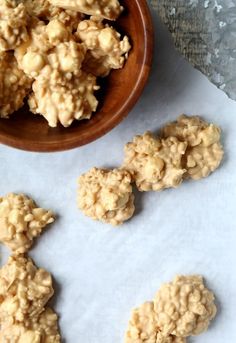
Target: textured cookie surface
[
  {"x": 109, "y": 9},
  {"x": 155, "y": 163},
  {"x": 24, "y": 291},
  {"x": 13, "y": 25},
  {"x": 14, "y": 85},
  {"x": 143, "y": 327},
  {"x": 106, "y": 50},
  {"x": 204, "y": 153},
  {"x": 21, "y": 221},
  {"x": 43, "y": 329},
  {"x": 185, "y": 306},
  {"x": 106, "y": 195}
]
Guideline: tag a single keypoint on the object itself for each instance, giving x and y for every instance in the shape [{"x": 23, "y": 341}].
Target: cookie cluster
[
  {"x": 189, "y": 148},
  {"x": 24, "y": 288},
  {"x": 106, "y": 195},
  {"x": 181, "y": 308},
  {"x": 52, "y": 53}
]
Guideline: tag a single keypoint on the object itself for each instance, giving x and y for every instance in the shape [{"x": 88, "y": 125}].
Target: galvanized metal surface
[{"x": 205, "y": 32}]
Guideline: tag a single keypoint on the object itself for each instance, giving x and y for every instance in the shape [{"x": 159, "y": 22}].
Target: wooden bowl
[{"x": 120, "y": 91}]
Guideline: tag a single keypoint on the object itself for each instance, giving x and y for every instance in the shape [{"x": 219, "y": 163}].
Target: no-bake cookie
[
  {"x": 63, "y": 101},
  {"x": 44, "y": 329},
  {"x": 106, "y": 195},
  {"x": 21, "y": 221},
  {"x": 204, "y": 153},
  {"x": 24, "y": 291},
  {"x": 184, "y": 306},
  {"x": 155, "y": 163},
  {"x": 181, "y": 308},
  {"x": 53, "y": 46},
  {"x": 106, "y": 50},
  {"x": 143, "y": 327},
  {"x": 60, "y": 53}
]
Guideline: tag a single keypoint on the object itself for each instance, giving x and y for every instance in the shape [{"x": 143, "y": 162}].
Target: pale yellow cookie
[
  {"x": 106, "y": 50},
  {"x": 52, "y": 46},
  {"x": 155, "y": 163},
  {"x": 24, "y": 291},
  {"x": 43, "y": 329},
  {"x": 21, "y": 221},
  {"x": 63, "y": 101},
  {"x": 205, "y": 152},
  {"x": 106, "y": 195},
  {"x": 143, "y": 327},
  {"x": 184, "y": 306}
]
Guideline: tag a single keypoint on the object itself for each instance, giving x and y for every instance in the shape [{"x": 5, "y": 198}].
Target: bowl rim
[{"x": 120, "y": 115}]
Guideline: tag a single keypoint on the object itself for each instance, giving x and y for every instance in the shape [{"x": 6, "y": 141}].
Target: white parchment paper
[{"x": 100, "y": 272}]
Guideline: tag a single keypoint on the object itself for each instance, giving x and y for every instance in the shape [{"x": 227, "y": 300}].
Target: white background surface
[{"x": 102, "y": 272}]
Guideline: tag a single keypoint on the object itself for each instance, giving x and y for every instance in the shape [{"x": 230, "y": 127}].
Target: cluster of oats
[
  {"x": 181, "y": 308},
  {"x": 53, "y": 47},
  {"x": 24, "y": 289},
  {"x": 187, "y": 148}
]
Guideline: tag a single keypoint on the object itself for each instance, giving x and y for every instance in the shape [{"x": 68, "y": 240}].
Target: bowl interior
[{"x": 119, "y": 93}]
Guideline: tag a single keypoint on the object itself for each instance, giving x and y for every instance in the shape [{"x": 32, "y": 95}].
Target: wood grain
[{"x": 120, "y": 92}]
